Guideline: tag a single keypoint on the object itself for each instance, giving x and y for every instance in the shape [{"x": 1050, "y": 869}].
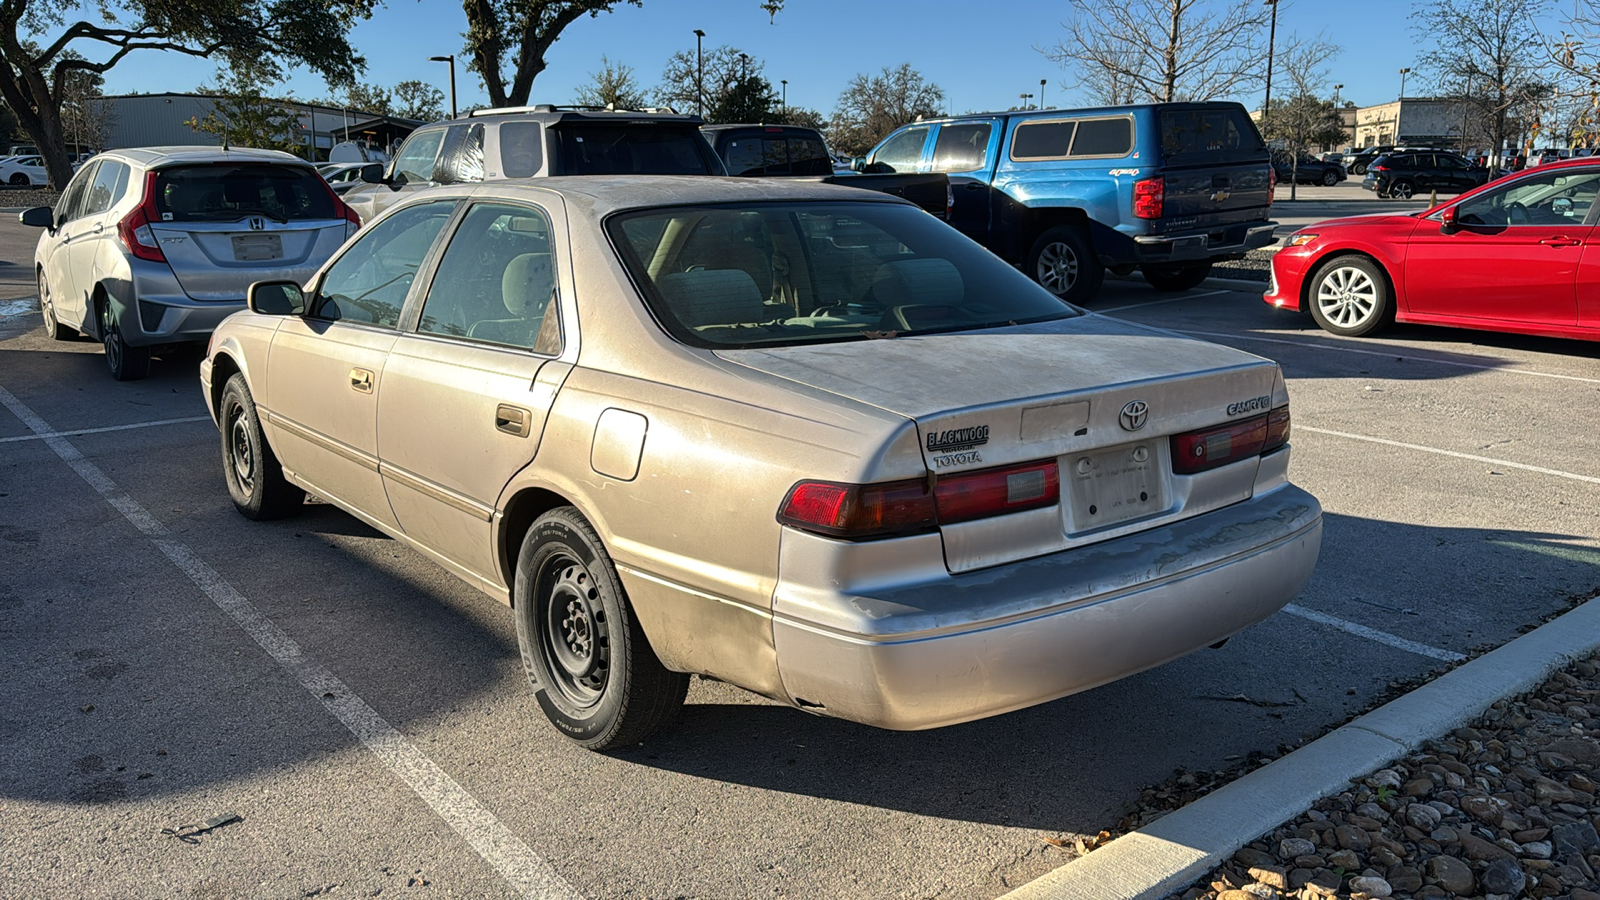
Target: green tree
[
  {"x": 613, "y": 85},
  {"x": 872, "y": 106},
  {"x": 43, "y": 41},
  {"x": 750, "y": 99},
  {"x": 519, "y": 33},
  {"x": 418, "y": 100},
  {"x": 367, "y": 98},
  {"x": 246, "y": 117}
]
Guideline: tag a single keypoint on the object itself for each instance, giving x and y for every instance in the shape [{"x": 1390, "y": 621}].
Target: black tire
[
  {"x": 1402, "y": 190},
  {"x": 1175, "y": 277},
  {"x": 1330, "y": 178},
  {"x": 592, "y": 668},
  {"x": 18, "y": 178},
  {"x": 1358, "y": 169},
  {"x": 127, "y": 363},
  {"x": 52, "y": 325},
  {"x": 1062, "y": 260},
  {"x": 1350, "y": 296},
  {"x": 255, "y": 479}
]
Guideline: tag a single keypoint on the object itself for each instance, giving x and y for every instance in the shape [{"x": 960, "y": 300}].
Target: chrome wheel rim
[
  {"x": 113, "y": 342},
  {"x": 1058, "y": 268},
  {"x": 575, "y": 637},
  {"x": 1347, "y": 297},
  {"x": 1401, "y": 190},
  {"x": 241, "y": 450},
  {"x": 44, "y": 305}
]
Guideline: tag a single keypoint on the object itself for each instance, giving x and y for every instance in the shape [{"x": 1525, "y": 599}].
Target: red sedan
[{"x": 1519, "y": 254}]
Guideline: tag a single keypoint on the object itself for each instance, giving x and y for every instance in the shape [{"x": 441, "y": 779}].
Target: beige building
[{"x": 1418, "y": 121}]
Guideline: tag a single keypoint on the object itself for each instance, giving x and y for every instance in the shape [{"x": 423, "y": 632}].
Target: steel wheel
[
  {"x": 576, "y": 638},
  {"x": 241, "y": 449},
  {"x": 250, "y": 468},
  {"x": 1351, "y": 296}
]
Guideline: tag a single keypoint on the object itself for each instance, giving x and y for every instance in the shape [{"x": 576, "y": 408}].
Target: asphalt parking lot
[{"x": 365, "y": 716}]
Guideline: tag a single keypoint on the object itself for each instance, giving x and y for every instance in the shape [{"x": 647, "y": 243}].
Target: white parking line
[
  {"x": 78, "y": 431},
  {"x": 1483, "y": 459},
  {"x": 525, "y": 870},
  {"x": 1317, "y": 345},
  {"x": 1184, "y": 296},
  {"x": 1382, "y": 637}
]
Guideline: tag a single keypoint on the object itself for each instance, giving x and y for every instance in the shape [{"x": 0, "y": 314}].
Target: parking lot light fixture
[
  {"x": 1042, "y": 83},
  {"x": 700, "y": 73},
  {"x": 1025, "y": 98},
  {"x": 1272, "y": 39},
  {"x": 451, "y": 59}
]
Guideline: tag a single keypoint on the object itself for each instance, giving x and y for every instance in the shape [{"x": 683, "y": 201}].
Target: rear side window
[
  {"x": 462, "y": 160},
  {"x": 1103, "y": 137},
  {"x": 228, "y": 192},
  {"x": 496, "y": 281},
  {"x": 631, "y": 149},
  {"x": 1042, "y": 140},
  {"x": 521, "y": 153},
  {"x": 1205, "y": 134},
  {"x": 961, "y": 148},
  {"x": 1111, "y": 136}
]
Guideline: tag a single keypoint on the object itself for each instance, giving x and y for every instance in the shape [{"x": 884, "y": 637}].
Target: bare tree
[
  {"x": 683, "y": 87},
  {"x": 872, "y": 106},
  {"x": 1301, "y": 118},
  {"x": 613, "y": 85},
  {"x": 518, "y": 34},
  {"x": 1162, "y": 50},
  {"x": 805, "y": 118},
  {"x": 1489, "y": 56}
]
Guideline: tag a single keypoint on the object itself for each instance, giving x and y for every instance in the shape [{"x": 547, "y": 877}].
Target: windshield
[
  {"x": 632, "y": 149},
  {"x": 228, "y": 192},
  {"x": 795, "y": 273}
]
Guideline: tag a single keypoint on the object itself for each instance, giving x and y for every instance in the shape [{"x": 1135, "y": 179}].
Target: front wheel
[
  {"x": 127, "y": 362},
  {"x": 52, "y": 325},
  {"x": 1175, "y": 277},
  {"x": 1063, "y": 262},
  {"x": 593, "y": 670},
  {"x": 1350, "y": 296},
  {"x": 18, "y": 178},
  {"x": 255, "y": 479},
  {"x": 1330, "y": 178}
]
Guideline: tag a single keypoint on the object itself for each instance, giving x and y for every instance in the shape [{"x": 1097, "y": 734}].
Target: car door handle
[
  {"x": 1560, "y": 241},
  {"x": 361, "y": 380},
  {"x": 974, "y": 186},
  {"x": 512, "y": 420}
]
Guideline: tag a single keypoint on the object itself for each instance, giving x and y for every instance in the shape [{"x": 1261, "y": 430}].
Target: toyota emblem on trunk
[
  {"x": 1134, "y": 415},
  {"x": 257, "y": 224}
]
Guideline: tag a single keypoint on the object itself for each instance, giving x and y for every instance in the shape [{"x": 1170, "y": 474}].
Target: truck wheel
[
  {"x": 1175, "y": 277},
  {"x": 1063, "y": 262},
  {"x": 594, "y": 673},
  {"x": 1350, "y": 296}
]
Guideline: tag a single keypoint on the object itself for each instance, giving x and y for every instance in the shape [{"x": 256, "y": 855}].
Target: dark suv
[
  {"x": 523, "y": 142},
  {"x": 1404, "y": 173},
  {"x": 770, "y": 149},
  {"x": 1307, "y": 170}
]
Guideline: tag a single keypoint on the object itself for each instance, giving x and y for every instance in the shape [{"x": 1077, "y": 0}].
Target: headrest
[
  {"x": 929, "y": 281},
  {"x": 527, "y": 284},
  {"x": 712, "y": 297}
]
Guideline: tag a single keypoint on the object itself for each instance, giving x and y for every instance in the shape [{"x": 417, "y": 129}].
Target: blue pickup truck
[{"x": 1067, "y": 194}]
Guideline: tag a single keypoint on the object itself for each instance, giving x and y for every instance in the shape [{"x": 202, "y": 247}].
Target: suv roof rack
[{"x": 551, "y": 107}]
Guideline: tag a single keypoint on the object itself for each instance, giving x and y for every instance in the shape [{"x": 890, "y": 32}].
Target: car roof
[
  {"x": 757, "y": 126},
  {"x": 161, "y": 156},
  {"x": 602, "y": 195},
  {"x": 550, "y": 114}
]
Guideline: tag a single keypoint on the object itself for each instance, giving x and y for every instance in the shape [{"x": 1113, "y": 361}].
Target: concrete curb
[{"x": 1170, "y": 853}]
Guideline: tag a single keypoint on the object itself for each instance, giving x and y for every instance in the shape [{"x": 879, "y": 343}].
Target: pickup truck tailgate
[{"x": 1216, "y": 167}]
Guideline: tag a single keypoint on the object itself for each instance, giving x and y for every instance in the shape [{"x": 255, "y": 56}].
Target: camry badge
[{"x": 1134, "y": 415}]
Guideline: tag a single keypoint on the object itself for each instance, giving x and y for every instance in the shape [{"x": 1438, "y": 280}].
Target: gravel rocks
[
  {"x": 1256, "y": 266},
  {"x": 1505, "y": 809},
  {"x": 24, "y": 197}
]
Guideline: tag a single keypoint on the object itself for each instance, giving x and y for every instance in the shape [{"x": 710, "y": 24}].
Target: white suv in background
[{"x": 153, "y": 247}]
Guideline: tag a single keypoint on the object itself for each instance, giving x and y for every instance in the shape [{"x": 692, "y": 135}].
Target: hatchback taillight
[
  {"x": 1208, "y": 448},
  {"x": 134, "y": 230},
  {"x": 1149, "y": 197},
  {"x": 860, "y": 511}
]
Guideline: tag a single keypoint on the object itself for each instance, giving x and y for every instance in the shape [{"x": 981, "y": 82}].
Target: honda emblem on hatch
[
  {"x": 257, "y": 223},
  {"x": 1134, "y": 415}
]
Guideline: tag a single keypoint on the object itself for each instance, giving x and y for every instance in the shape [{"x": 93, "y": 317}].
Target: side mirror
[
  {"x": 38, "y": 217},
  {"x": 1447, "y": 221},
  {"x": 858, "y": 164},
  {"x": 372, "y": 173},
  {"x": 276, "y": 298}
]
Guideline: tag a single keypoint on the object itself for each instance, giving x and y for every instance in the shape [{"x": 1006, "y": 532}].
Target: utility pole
[
  {"x": 1272, "y": 40},
  {"x": 1042, "y": 83},
  {"x": 700, "y": 74},
  {"x": 785, "y": 83},
  {"x": 451, "y": 59},
  {"x": 1400, "y": 107}
]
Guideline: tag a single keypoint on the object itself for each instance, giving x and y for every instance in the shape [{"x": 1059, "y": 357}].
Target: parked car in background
[
  {"x": 1306, "y": 170},
  {"x": 923, "y": 490},
  {"x": 341, "y": 176},
  {"x": 24, "y": 170},
  {"x": 1357, "y": 162},
  {"x": 536, "y": 141},
  {"x": 153, "y": 247},
  {"x": 1511, "y": 256},
  {"x": 1403, "y": 174},
  {"x": 1067, "y": 194},
  {"x": 792, "y": 151}
]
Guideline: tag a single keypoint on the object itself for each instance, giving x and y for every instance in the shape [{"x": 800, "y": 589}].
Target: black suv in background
[
  {"x": 523, "y": 142},
  {"x": 1404, "y": 173},
  {"x": 1309, "y": 169}
]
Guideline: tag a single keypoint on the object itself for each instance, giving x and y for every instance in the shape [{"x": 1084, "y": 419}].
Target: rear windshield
[
  {"x": 757, "y": 154},
  {"x": 1206, "y": 134},
  {"x": 632, "y": 149},
  {"x": 228, "y": 192},
  {"x": 801, "y": 273}
]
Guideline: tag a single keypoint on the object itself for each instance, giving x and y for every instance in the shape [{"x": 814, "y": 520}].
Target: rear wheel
[
  {"x": 255, "y": 479},
  {"x": 1358, "y": 169},
  {"x": 18, "y": 178},
  {"x": 1350, "y": 296},
  {"x": 1063, "y": 262},
  {"x": 1175, "y": 277},
  {"x": 127, "y": 363},
  {"x": 1330, "y": 178},
  {"x": 52, "y": 326},
  {"x": 1401, "y": 190},
  {"x": 594, "y": 673}
]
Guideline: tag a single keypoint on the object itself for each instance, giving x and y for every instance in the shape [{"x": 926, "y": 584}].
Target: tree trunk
[{"x": 40, "y": 116}]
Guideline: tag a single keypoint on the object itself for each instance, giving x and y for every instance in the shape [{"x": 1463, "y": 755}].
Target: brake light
[
  {"x": 1208, "y": 448},
  {"x": 134, "y": 230},
  {"x": 861, "y": 511},
  {"x": 341, "y": 207},
  {"x": 1378, "y": 168},
  {"x": 1149, "y": 196},
  {"x": 1272, "y": 184}
]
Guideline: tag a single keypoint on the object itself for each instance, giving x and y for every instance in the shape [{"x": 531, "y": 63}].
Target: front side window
[
  {"x": 901, "y": 153},
  {"x": 496, "y": 282},
  {"x": 369, "y": 282},
  {"x": 1549, "y": 198},
  {"x": 796, "y": 273},
  {"x": 414, "y": 164},
  {"x": 961, "y": 148}
]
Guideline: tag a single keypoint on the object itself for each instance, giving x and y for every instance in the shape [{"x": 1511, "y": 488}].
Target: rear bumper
[
  {"x": 172, "y": 320},
  {"x": 952, "y": 648},
  {"x": 1228, "y": 242}
]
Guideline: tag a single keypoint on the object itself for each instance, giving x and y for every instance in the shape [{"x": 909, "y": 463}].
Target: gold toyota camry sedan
[{"x": 802, "y": 438}]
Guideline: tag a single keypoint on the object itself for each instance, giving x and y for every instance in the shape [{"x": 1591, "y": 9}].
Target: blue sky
[{"x": 982, "y": 55}]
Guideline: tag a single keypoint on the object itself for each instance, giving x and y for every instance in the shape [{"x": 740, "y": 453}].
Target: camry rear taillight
[
  {"x": 861, "y": 511},
  {"x": 1149, "y": 196},
  {"x": 1208, "y": 448},
  {"x": 134, "y": 230}
]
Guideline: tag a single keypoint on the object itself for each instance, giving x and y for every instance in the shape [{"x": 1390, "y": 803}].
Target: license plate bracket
[
  {"x": 1115, "y": 485},
  {"x": 257, "y": 247}
]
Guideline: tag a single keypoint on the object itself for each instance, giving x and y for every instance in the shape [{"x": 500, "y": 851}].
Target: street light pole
[
  {"x": 1272, "y": 40},
  {"x": 1042, "y": 83},
  {"x": 1025, "y": 98},
  {"x": 1400, "y": 107},
  {"x": 785, "y": 83},
  {"x": 451, "y": 59},
  {"x": 700, "y": 74},
  {"x": 1403, "y": 73}
]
